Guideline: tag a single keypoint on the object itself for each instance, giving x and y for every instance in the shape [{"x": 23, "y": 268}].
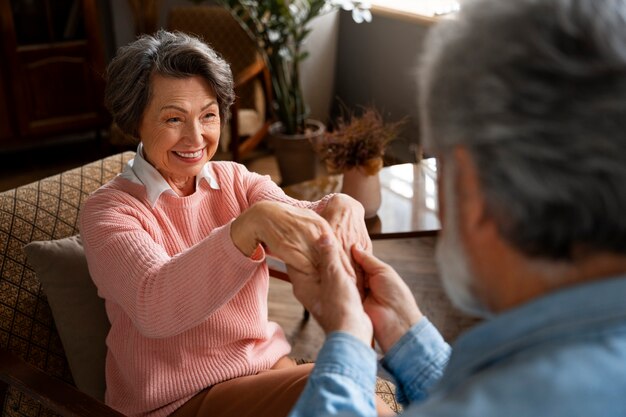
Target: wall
[
  {"x": 318, "y": 70},
  {"x": 377, "y": 64}
]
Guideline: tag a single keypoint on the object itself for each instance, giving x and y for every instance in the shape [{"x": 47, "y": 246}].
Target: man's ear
[{"x": 472, "y": 209}]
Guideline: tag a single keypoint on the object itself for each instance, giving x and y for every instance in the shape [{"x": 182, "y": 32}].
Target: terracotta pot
[
  {"x": 297, "y": 161},
  {"x": 363, "y": 188}
]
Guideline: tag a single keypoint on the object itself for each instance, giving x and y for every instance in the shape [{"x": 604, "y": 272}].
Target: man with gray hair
[{"x": 524, "y": 104}]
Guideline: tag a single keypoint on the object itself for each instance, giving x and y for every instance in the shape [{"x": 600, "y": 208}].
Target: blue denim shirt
[{"x": 561, "y": 355}]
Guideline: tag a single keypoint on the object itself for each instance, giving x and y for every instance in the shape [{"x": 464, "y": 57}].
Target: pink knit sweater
[{"x": 187, "y": 308}]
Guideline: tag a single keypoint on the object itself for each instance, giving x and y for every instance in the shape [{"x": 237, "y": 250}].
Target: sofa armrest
[{"x": 51, "y": 392}]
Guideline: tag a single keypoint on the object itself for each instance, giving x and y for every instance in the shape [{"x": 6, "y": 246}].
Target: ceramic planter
[
  {"x": 363, "y": 188},
  {"x": 296, "y": 158}
]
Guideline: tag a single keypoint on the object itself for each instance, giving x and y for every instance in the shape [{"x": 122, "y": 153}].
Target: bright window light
[
  {"x": 401, "y": 188},
  {"x": 422, "y": 7},
  {"x": 429, "y": 185},
  {"x": 431, "y": 203}
]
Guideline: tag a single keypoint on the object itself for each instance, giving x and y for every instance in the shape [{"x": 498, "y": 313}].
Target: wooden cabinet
[
  {"x": 5, "y": 127},
  {"x": 53, "y": 64}
]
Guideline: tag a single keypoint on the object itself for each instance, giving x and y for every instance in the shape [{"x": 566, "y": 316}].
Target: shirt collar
[
  {"x": 140, "y": 171},
  {"x": 565, "y": 313}
]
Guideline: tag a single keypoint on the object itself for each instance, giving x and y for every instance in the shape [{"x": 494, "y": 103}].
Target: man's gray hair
[
  {"x": 536, "y": 91},
  {"x": 171, "y": 54}
]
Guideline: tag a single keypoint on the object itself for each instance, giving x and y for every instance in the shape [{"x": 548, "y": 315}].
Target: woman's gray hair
[
  {"x": 171, "y": 54},
  {"x": 536, "y": 91}
]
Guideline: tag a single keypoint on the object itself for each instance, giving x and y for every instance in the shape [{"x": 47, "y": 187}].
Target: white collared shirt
[{"x": 140, "y": 171}]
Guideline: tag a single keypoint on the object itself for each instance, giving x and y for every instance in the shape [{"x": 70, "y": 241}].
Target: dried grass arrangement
[{"x": 358, "y": 141}]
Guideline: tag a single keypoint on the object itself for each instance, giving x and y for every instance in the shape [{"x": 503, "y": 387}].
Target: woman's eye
[
  {"x": 173, "y": 120},
  {"x": 210, "y": 116}
]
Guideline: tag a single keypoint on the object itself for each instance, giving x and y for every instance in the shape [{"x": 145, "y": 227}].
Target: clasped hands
[
  {"x": 290, "y": 233},
  {"x": 330, "y": 264}
]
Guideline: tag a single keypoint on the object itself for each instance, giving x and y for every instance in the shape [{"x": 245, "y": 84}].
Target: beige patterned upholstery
[
  {"x": 44, "y": 210},
  {"x": 387, "y": 392}
]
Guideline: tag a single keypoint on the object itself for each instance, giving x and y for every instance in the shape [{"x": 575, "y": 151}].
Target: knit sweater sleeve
[
  {"x": 261, "y": 187},
  {"x": 349, "y": 228},
  {"x": 163, "y": 295}
]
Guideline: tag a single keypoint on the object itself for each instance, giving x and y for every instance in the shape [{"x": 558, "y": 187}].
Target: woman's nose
[{"x": 193, "y": 133}]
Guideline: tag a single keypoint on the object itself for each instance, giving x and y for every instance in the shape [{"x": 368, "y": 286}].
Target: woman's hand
[
  {"x": 288, "y": 232},
  {"x": 347, "y": 220}
]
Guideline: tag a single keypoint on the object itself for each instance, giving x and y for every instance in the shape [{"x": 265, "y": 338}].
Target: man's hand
[
  {"x": 331, "y": 295},
  {"x": 389, "y": 302}
]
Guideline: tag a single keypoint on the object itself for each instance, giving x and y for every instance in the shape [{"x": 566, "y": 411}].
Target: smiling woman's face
[{"x": 180, "y": 127}]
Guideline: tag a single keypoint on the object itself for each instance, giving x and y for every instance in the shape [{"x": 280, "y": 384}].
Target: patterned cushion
[
  {"x": 79, "y": 313},
  {"x": 44, "y": 210},
  {"x": 387, "y": 392}
]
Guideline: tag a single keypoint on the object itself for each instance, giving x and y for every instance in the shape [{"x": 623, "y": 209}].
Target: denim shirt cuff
[
  {"x": 345, "y": 355},
  {"x": 417, "y": 360}
]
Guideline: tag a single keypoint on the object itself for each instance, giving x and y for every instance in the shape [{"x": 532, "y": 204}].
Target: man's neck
[{"x": 530, "y": 278}]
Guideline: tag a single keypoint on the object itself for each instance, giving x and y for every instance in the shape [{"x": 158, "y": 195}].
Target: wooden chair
[{"x": 250, "y": 118}]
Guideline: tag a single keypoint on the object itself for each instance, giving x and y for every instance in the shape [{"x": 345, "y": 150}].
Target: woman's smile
[
  {"x": 190, "y": 157},
  {"x": 180, "y": 129}
]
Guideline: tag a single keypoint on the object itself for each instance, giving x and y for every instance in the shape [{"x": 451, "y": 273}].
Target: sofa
[{"x": 52, "y": 341}]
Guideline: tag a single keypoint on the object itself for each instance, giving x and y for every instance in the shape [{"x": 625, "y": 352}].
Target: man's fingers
[
  {"x": 328, "y": 251},
  {"x": 298, "y": 262},
  {"x": 334, "y": 262},
  {"x": 370, "y": 263}
]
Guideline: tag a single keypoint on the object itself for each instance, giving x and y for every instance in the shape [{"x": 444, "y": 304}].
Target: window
[{"x": 429, "y": 10}]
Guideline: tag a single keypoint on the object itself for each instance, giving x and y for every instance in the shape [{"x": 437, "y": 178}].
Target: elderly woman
[{"x": 176, "y": 245}]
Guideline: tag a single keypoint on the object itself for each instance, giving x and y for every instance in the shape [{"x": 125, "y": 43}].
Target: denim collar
[{"x": 570, "y": 313}]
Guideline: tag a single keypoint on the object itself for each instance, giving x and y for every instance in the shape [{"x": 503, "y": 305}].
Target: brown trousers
[{"x": 271, "y": 393}]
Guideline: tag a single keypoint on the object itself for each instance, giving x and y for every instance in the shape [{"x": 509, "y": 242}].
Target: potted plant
[
  {"x": 356, "y": 147},
  {"x": 280, "y": 28}
]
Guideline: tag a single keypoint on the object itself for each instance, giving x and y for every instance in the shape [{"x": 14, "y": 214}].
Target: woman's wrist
[{"x": 243, "y": 232}]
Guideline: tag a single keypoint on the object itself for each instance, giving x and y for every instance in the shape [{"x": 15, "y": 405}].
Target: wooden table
[{"x": 409, "y": 199}]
